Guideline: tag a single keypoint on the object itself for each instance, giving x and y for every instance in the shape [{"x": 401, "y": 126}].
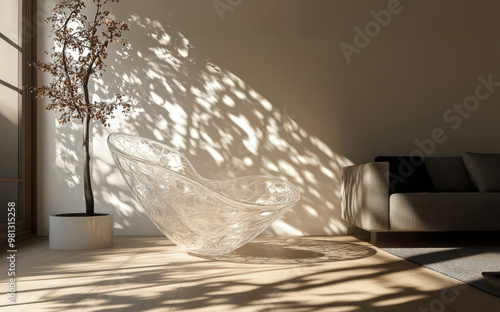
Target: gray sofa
[{"x": 456, "y": 203}]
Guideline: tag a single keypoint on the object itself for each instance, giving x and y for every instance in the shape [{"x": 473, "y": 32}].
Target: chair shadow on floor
[{"x": 276, "y": 250}]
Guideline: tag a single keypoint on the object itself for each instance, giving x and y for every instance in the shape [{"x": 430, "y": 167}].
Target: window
[{"x": 17, "y": 114}]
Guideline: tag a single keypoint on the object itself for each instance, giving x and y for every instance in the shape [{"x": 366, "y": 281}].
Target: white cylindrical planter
[{"x": 80, "y": 232}]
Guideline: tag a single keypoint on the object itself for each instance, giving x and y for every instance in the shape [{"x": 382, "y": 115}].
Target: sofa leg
[{"x": 373, "y": 238}]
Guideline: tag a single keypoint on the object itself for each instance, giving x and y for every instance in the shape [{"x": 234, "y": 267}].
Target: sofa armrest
[{"x": 365, "y": 196}]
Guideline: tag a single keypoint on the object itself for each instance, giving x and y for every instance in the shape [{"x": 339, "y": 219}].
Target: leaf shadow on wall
[{"x": 225, "y": 128}]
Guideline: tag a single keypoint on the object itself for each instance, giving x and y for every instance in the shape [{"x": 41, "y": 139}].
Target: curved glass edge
[{"x": 295, "y": 196}]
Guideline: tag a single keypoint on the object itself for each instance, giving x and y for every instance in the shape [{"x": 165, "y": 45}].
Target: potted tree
[{"x": 79, "y": 52}]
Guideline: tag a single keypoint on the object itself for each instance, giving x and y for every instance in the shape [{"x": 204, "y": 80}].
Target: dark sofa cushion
[
  {"x": 449, "y": 174},
  {"x": 407, "y": 174},
  {"x": 484, "y": 170}
]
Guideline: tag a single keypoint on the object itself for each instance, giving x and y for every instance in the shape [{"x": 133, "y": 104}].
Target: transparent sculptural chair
[{"x": 205, "y": 217}]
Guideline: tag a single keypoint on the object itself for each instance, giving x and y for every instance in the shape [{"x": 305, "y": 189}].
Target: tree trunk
[{"x": 87, "y": 177}]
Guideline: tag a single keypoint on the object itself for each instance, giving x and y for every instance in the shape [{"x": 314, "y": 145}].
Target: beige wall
[{"x": 280, "y": 97}]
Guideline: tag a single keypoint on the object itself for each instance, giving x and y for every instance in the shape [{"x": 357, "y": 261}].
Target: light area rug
[{"x": 461, "y": 263}]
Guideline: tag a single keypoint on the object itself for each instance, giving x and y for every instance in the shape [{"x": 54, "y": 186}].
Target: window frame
[{"x": 27, "y": 141}]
